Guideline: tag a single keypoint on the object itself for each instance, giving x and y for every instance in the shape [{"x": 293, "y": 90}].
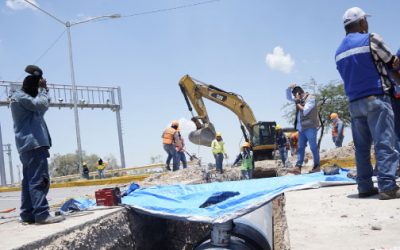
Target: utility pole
[
  {"x": 2, "y": 168},
  {"x": 8, "y": 151}
]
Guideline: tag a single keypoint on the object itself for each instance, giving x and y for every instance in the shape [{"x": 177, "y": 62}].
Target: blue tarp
[
  {"x": 77, "y": 204},
  {"x": 182, "y": 202}
]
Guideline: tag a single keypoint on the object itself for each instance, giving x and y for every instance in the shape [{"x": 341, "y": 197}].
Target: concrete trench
[{"x": 126, "y": 228}]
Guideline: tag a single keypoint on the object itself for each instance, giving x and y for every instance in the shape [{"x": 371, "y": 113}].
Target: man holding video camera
[{"x": 28, "y": 106}]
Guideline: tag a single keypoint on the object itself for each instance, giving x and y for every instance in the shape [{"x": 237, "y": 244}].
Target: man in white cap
[{"x": 362, "y": 60}]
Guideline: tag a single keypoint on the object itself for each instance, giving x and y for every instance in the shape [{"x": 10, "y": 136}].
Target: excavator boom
[{"x": 194, "y": 91}]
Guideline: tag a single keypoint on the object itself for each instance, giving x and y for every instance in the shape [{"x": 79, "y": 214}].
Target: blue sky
[{"x": 224, "y": 43}]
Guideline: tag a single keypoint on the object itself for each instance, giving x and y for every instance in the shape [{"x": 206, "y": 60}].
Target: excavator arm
[{"x": 194, "y": 91}]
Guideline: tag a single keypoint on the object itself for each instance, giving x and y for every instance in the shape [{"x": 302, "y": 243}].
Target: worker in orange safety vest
[{"x": 170, "y": 139}]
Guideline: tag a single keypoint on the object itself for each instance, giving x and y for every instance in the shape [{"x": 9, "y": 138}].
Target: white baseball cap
[{"x": 353, "y": 14}]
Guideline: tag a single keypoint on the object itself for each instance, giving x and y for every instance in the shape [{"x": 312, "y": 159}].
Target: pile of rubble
[
  {"x": 192, "y": 175},
  {"x": 342, "y": 152}
]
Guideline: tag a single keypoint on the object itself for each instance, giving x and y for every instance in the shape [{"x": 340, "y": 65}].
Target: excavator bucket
[{"x": 203, "y": 136}]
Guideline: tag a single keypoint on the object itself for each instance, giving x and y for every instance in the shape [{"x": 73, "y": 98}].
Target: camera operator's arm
[{"x": 289, "y": 95}]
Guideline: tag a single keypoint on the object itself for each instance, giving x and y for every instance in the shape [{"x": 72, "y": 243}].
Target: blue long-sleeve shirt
[{"x": 29, "y": 125}]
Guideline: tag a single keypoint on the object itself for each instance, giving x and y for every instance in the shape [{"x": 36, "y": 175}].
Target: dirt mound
[{"x": 343, "y": 152}]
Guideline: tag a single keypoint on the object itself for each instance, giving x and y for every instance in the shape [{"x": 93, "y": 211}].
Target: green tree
[
  {"x": 331, "y": 98},
  {"x": 61, "y": 165}
]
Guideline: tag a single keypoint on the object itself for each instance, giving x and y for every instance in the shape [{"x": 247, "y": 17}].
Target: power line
[
  {"x": 46, "y": 51},
  {"x": 170, "y": 9},
  {"x": 50, "y": 47}
]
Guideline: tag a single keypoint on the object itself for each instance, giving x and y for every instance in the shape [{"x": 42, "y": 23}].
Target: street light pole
[
  {"x": 74, "y": 91},
  {"x": 68, "y": 25}
]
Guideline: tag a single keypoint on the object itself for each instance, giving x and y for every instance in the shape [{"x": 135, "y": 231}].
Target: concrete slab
[
  {"x": 78, "y": 232},
  {"x": 335, "y": 218}
]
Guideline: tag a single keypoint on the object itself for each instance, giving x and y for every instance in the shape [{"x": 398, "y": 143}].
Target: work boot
[
  {"x": 50, "y": 220},
  {"x": 315, "y": 169},
  {"x": 369, "y": 193},
  {"x": 295, "y": 170},
  {"x": 391, "y": 194},
  {"x": 168, "y": 168}
]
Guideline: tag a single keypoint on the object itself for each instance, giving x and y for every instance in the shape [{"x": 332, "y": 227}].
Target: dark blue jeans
[
  {"x": 219, "y": 159},
  {"x": 372, "y": 121},
  {"x": 309, "y": 135},
  {"x": 35, "y": 185},
  {"x": 396, "y": 111},
  {"x": 283, "y": 155},
  {"x": 182, "y": 158},
  {"x": 172, "y": 155}
]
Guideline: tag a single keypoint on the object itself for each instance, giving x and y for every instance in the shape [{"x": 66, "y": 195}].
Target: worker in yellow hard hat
[
  {"x": 337, "y": 130},
  {"x": 170, "y": 139},
  {"x": 101, "y": 165},
  {"x": 218, "y": 150},
  {"x": 247, "y": 161},
  {"x": 281, "y": 143}
]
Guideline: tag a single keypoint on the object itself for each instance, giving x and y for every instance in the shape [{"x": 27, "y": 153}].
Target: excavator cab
[{"x": 263, "y": 140}]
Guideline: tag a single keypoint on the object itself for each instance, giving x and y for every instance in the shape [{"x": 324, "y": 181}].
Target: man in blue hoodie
[
  {"x": 362, "y": 60},
  {"x": 28, "y": 106}
]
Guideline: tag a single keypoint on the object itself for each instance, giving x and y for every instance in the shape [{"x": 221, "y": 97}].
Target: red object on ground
[
  {"x": 8, "y": 210},
  {"x": 108, "y": 197}
]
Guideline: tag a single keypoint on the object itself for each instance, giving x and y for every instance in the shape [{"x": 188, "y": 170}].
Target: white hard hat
[{"x": 353, "y": 14}]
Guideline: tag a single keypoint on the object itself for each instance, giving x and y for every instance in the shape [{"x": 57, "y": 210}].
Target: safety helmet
[
  {"x": 175, "y": 123},
  {"x": 333, "y": 116},
  {"x": 246, "y": 144},
  {"x": 218, "y": 134},
  {"x": 278, "y": 127}
]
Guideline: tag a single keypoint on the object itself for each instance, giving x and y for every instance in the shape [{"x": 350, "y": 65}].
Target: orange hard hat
[
  {"x": 333, "y": 116},
  {"x": 175, "y": 123},
  {"x": 246, "y": 144}
]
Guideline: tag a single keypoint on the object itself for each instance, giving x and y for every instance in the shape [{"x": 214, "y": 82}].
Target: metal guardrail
[
  {"x": 131, "y": 171},
  {"x": 139, "y": 170},
  {"x": 62, "y": 95}
]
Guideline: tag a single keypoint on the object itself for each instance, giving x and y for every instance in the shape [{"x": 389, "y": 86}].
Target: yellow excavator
[{"x": 261, "y": 135}]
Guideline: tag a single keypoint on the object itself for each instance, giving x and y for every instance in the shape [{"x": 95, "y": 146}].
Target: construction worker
[
  {"x": 337, "y": 130},
  {"x": 218, "y": 150},
  {"x": 281, "y": 143},
  {"x": 85, "y": 171},
  {"x": 170, "y": 139},
  {"x": 362, "y": 60},
  {"x": 247, "y": 165},
  {"x": 294, "y": 138},
  {"x": 180, "y": 150},
  {"x": 306, "y": 123},
  {"x": 32, "y": 138},
  {"x": 101, "y": 165}
]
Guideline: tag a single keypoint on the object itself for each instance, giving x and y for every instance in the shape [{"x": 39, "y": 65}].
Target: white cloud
[
  {"x": 280, "y": 61},
  {"x": 20, "y": 4}
]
